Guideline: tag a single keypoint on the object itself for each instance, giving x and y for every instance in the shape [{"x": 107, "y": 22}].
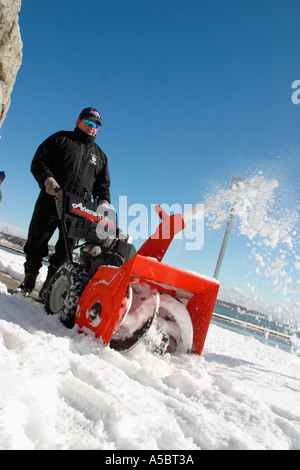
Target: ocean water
[{"x": 267, "y": 330}]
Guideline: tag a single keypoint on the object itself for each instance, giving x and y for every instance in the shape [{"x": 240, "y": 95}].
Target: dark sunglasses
[{"x": 91, "y": 124}]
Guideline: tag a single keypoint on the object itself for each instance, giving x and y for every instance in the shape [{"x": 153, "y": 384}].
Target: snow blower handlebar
[{"x": 60, "y": 208}]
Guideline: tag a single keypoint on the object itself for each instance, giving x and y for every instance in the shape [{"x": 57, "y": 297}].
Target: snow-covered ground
[{"x": 63, "y": 390}]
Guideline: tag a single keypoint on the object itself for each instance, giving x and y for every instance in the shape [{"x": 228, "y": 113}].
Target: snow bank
[{"x": 63, "y": 390}]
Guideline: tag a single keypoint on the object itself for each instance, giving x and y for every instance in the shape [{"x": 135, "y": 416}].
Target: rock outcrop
[{"x": 10, "y": 51}]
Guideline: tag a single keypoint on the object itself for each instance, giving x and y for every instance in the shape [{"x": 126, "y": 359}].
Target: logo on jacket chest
[{"x": 93, "y": 159}]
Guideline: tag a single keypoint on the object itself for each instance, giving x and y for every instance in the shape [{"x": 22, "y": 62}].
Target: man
[
  {"x": 70, "y": 160},
  {"x": 2, "y": 178}
]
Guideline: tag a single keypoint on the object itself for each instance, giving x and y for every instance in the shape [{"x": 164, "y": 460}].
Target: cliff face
[{"x": 10, "y": 51}]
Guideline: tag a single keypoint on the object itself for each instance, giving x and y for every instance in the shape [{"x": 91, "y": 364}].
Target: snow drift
[{"x": 63, "y": 390}]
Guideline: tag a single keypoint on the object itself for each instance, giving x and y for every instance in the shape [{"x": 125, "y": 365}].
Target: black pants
[{"x": 43, "y": 224}]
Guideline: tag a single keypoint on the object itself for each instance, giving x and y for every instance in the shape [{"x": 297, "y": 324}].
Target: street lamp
[{"x": 234, "y": 182}]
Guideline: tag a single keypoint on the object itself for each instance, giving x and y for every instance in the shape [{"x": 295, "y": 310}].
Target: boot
[{"x": 28, "y": 284}]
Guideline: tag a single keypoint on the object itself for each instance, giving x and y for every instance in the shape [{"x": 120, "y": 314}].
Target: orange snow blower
[{"x": 122, "y": 296}]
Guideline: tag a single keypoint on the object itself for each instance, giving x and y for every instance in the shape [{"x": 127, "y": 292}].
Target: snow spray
[{"x": 270, "y": 227}]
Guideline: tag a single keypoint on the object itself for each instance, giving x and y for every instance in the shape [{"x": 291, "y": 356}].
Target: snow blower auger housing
[{"x": 122, "y": 296}]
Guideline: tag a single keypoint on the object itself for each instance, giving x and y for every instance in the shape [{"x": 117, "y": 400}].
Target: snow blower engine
[{"x": 123, "y": 296}]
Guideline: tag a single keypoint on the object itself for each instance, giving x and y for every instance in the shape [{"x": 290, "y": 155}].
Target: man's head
[
  {"x": 88, "y": 121},
  {"x": 2, "y": 176}
]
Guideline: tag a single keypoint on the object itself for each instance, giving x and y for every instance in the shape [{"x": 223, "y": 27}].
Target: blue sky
[{"x": 191, "y": 92}]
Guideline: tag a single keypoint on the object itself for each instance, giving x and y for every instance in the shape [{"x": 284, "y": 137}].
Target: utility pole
[{"x": 234, "y": 182}]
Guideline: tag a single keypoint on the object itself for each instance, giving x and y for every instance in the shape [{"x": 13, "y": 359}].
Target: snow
[{"x": 64, "y": 390}]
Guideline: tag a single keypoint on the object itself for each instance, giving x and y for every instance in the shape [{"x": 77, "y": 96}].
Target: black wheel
[{"x": 64, "y": 292}]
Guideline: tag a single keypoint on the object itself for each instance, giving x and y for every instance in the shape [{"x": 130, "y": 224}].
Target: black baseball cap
[{"x": 90, "y": 113}]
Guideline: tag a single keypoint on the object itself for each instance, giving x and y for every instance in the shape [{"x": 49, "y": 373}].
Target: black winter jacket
[{"x": 75, "y": 161}]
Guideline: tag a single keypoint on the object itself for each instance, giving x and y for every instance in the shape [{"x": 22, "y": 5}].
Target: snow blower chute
[{"x": 122, "y": 296}]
